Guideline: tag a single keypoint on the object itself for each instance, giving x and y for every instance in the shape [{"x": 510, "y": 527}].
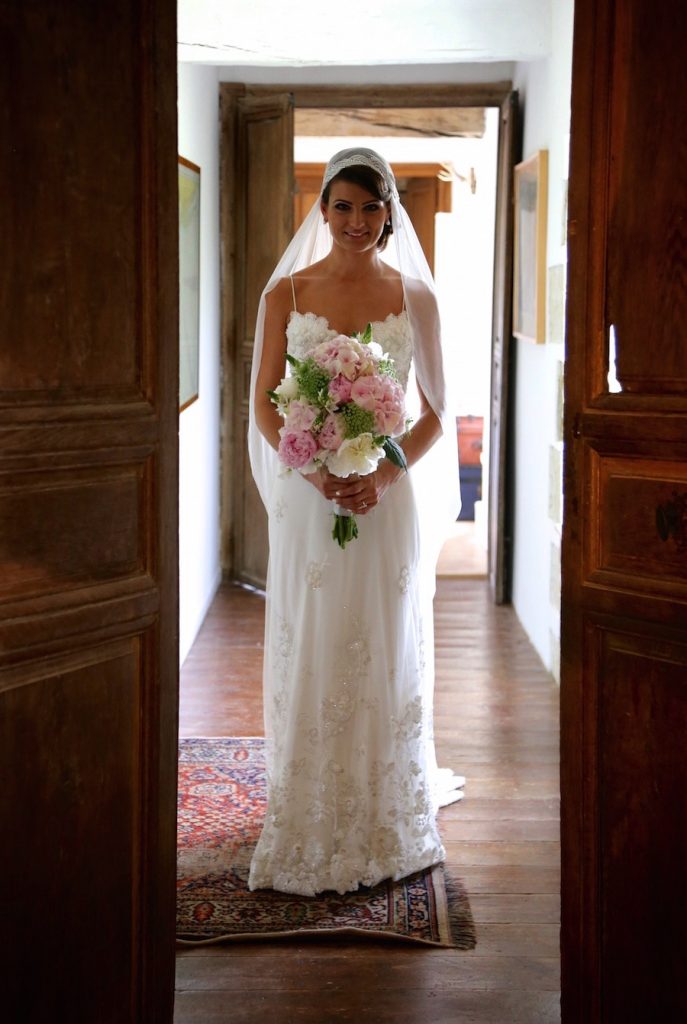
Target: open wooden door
[
  {"x": 500, "y": 522},
  {"x": 88, "y": 511},
  {"x": 257, "y": 186},
  {"x": 624, "y": 630}
]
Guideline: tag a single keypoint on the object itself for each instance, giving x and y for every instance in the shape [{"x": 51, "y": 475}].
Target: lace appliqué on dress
[
  {"x": 314, "y": 574},
  {"x": 404, "y": 579},
  {"x": 279, "y": 509},
  {"x": 335, "y": 821},
  {"x": 305, "y": 331}
]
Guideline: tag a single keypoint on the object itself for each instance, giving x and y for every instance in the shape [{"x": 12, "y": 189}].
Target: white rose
[
  {"x": 287, "y": 390},
  {"x": 356, "y": 455}
]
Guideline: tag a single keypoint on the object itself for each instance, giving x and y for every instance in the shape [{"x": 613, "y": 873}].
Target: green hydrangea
[
  {"x": 357, "y": 421},
  {"x": 313, "y": 381},
  {"x": 387, "y": 369}
]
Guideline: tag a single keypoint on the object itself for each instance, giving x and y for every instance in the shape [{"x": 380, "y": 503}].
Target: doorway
[{"x": 260, "y": 122}]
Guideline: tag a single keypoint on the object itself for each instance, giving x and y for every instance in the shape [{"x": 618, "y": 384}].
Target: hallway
[{"x": 496, "y": 715}]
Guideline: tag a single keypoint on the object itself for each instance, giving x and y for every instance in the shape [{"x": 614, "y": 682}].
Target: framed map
[{"x": 189, "y": 281}]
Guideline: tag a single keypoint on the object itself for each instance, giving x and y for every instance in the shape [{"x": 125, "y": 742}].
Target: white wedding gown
[{"x": 353, "y": 786}]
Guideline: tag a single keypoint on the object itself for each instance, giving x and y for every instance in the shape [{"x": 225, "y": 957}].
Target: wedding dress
[{"x": 353, "y": 786}]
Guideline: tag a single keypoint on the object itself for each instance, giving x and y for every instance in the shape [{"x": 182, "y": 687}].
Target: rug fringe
[
  {"x": 460, "y": 919},
  {"x": 185, "y": 941}
]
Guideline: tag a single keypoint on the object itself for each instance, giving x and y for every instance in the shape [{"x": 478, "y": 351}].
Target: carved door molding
[{"x": 244, "y": 536}]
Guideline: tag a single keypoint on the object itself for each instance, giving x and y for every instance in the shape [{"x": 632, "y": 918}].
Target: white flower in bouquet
[
  {"x": 286, "y": 392},
  {"x": 359, "y": 455}
]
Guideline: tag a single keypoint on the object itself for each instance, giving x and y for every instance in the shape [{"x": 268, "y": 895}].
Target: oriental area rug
[{"x": 221, "y": 809}]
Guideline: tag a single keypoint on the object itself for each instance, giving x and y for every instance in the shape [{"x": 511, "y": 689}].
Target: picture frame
[
  {"x": 529, "y": 247},
  {"x": 189, "y": 282}
]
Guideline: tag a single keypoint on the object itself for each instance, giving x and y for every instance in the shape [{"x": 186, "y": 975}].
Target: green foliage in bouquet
[
  {"x": 358, "y": 421},
  {"x": 313, "y": 381}
]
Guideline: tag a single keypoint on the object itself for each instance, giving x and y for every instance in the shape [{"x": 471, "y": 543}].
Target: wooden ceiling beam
[{"x": 424, "y": 122}]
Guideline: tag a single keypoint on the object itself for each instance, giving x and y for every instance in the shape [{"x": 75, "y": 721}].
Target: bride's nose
[{"x": 356, "y": 218}]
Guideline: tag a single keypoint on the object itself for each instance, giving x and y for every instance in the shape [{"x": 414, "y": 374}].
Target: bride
[{"x": 353, "y": 785}]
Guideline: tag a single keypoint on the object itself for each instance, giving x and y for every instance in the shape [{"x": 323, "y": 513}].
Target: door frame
[{"x": 494, "y": 94}]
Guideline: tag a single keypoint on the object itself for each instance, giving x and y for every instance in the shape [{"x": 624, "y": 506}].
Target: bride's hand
[{"x": 358, "y": 494}]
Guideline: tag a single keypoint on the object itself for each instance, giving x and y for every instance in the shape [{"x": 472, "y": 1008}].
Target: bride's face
[{"x": 356, "y": 217}]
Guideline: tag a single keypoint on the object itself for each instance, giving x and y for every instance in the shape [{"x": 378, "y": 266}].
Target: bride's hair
[{"x": 373, "y": 183}]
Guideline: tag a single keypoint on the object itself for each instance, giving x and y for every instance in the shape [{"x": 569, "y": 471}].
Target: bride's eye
[{"x": 341, "y": 206}]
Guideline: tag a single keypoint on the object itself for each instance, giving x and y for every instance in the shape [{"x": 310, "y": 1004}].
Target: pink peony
[
  {"x": 390, "y": 412},
  {"x": 331, "y": 435},
  {"x": 300, "y": 416},
  {"x": 367, "y": 392},
  {"x": 383, "y": 397},
  {"x": 340, "y": 389},
  {"x": 297, "y": 448},
  {"x": 340, "y": 355}
]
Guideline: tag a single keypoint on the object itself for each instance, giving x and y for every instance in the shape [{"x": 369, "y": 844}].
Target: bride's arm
[
  {"x": 423, "y": 434},
  {"x": 278, "y": 305},
  {"x": 273, "y": 361}
]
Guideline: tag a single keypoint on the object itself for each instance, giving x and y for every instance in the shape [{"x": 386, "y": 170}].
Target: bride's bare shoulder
[
  {"x": 279, "y": 297},
  {"x": 312, "y": 272},
  {"x": 390, "y": 273}
]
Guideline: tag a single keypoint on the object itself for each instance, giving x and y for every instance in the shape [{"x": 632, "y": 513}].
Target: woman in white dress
[{"x": 353, "y": 786}]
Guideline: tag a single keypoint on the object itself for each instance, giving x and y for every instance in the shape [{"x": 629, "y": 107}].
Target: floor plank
[{"x": 496, "y": 721}]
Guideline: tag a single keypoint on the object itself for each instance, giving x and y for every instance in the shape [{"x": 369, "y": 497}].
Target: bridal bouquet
[{"x": 342, "y": 407}]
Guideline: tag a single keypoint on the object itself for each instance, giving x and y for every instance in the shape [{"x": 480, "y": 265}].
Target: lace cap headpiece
[{"x": 360, "y": 157}]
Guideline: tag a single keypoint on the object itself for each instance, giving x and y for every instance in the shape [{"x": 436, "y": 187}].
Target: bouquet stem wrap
[{"x": 345, "y": 525}]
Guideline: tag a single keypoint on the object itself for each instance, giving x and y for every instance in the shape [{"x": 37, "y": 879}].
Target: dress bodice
[{"x": 305, "y": 331}]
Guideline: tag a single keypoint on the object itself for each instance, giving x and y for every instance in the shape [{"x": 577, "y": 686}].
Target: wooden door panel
[
  {"x": 634, "y": 540},
  {"x": 88, "y": 520},
  {"x": 45, "y": 516},
  {"x": 632, "y": 737},
  {"x": 624, "y": 625},
  {"x": 264, "y": 224},
  {"x": 642, "y": 724},
  {"x": 646, "y": 222},
  {"x": 77, "y": 186},
  {"x": 81, "y": 712}
]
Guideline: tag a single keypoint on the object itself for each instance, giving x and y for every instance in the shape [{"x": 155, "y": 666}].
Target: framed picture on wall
[
  {"x": 189, "y": 281},
  {"x": 529, "y": 248}
]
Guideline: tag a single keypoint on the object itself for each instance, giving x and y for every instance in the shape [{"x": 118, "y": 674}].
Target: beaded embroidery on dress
[{"x": 350, "y": 766}]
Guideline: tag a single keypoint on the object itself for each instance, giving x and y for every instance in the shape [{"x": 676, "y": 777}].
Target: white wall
[
  {"x": 469, "y": 73},
  {"x": 544, "y": 88},
  {"x": 199, "y": 424}
]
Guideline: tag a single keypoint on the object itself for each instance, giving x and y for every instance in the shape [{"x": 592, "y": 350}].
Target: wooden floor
[{"x": 497, "y": 723}]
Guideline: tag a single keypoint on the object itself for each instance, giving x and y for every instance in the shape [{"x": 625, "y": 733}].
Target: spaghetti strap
[{"x": 293, "y": 292}]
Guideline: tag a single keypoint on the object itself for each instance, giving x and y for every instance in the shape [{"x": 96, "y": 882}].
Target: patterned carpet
[{"x": 221, "y": 807}]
